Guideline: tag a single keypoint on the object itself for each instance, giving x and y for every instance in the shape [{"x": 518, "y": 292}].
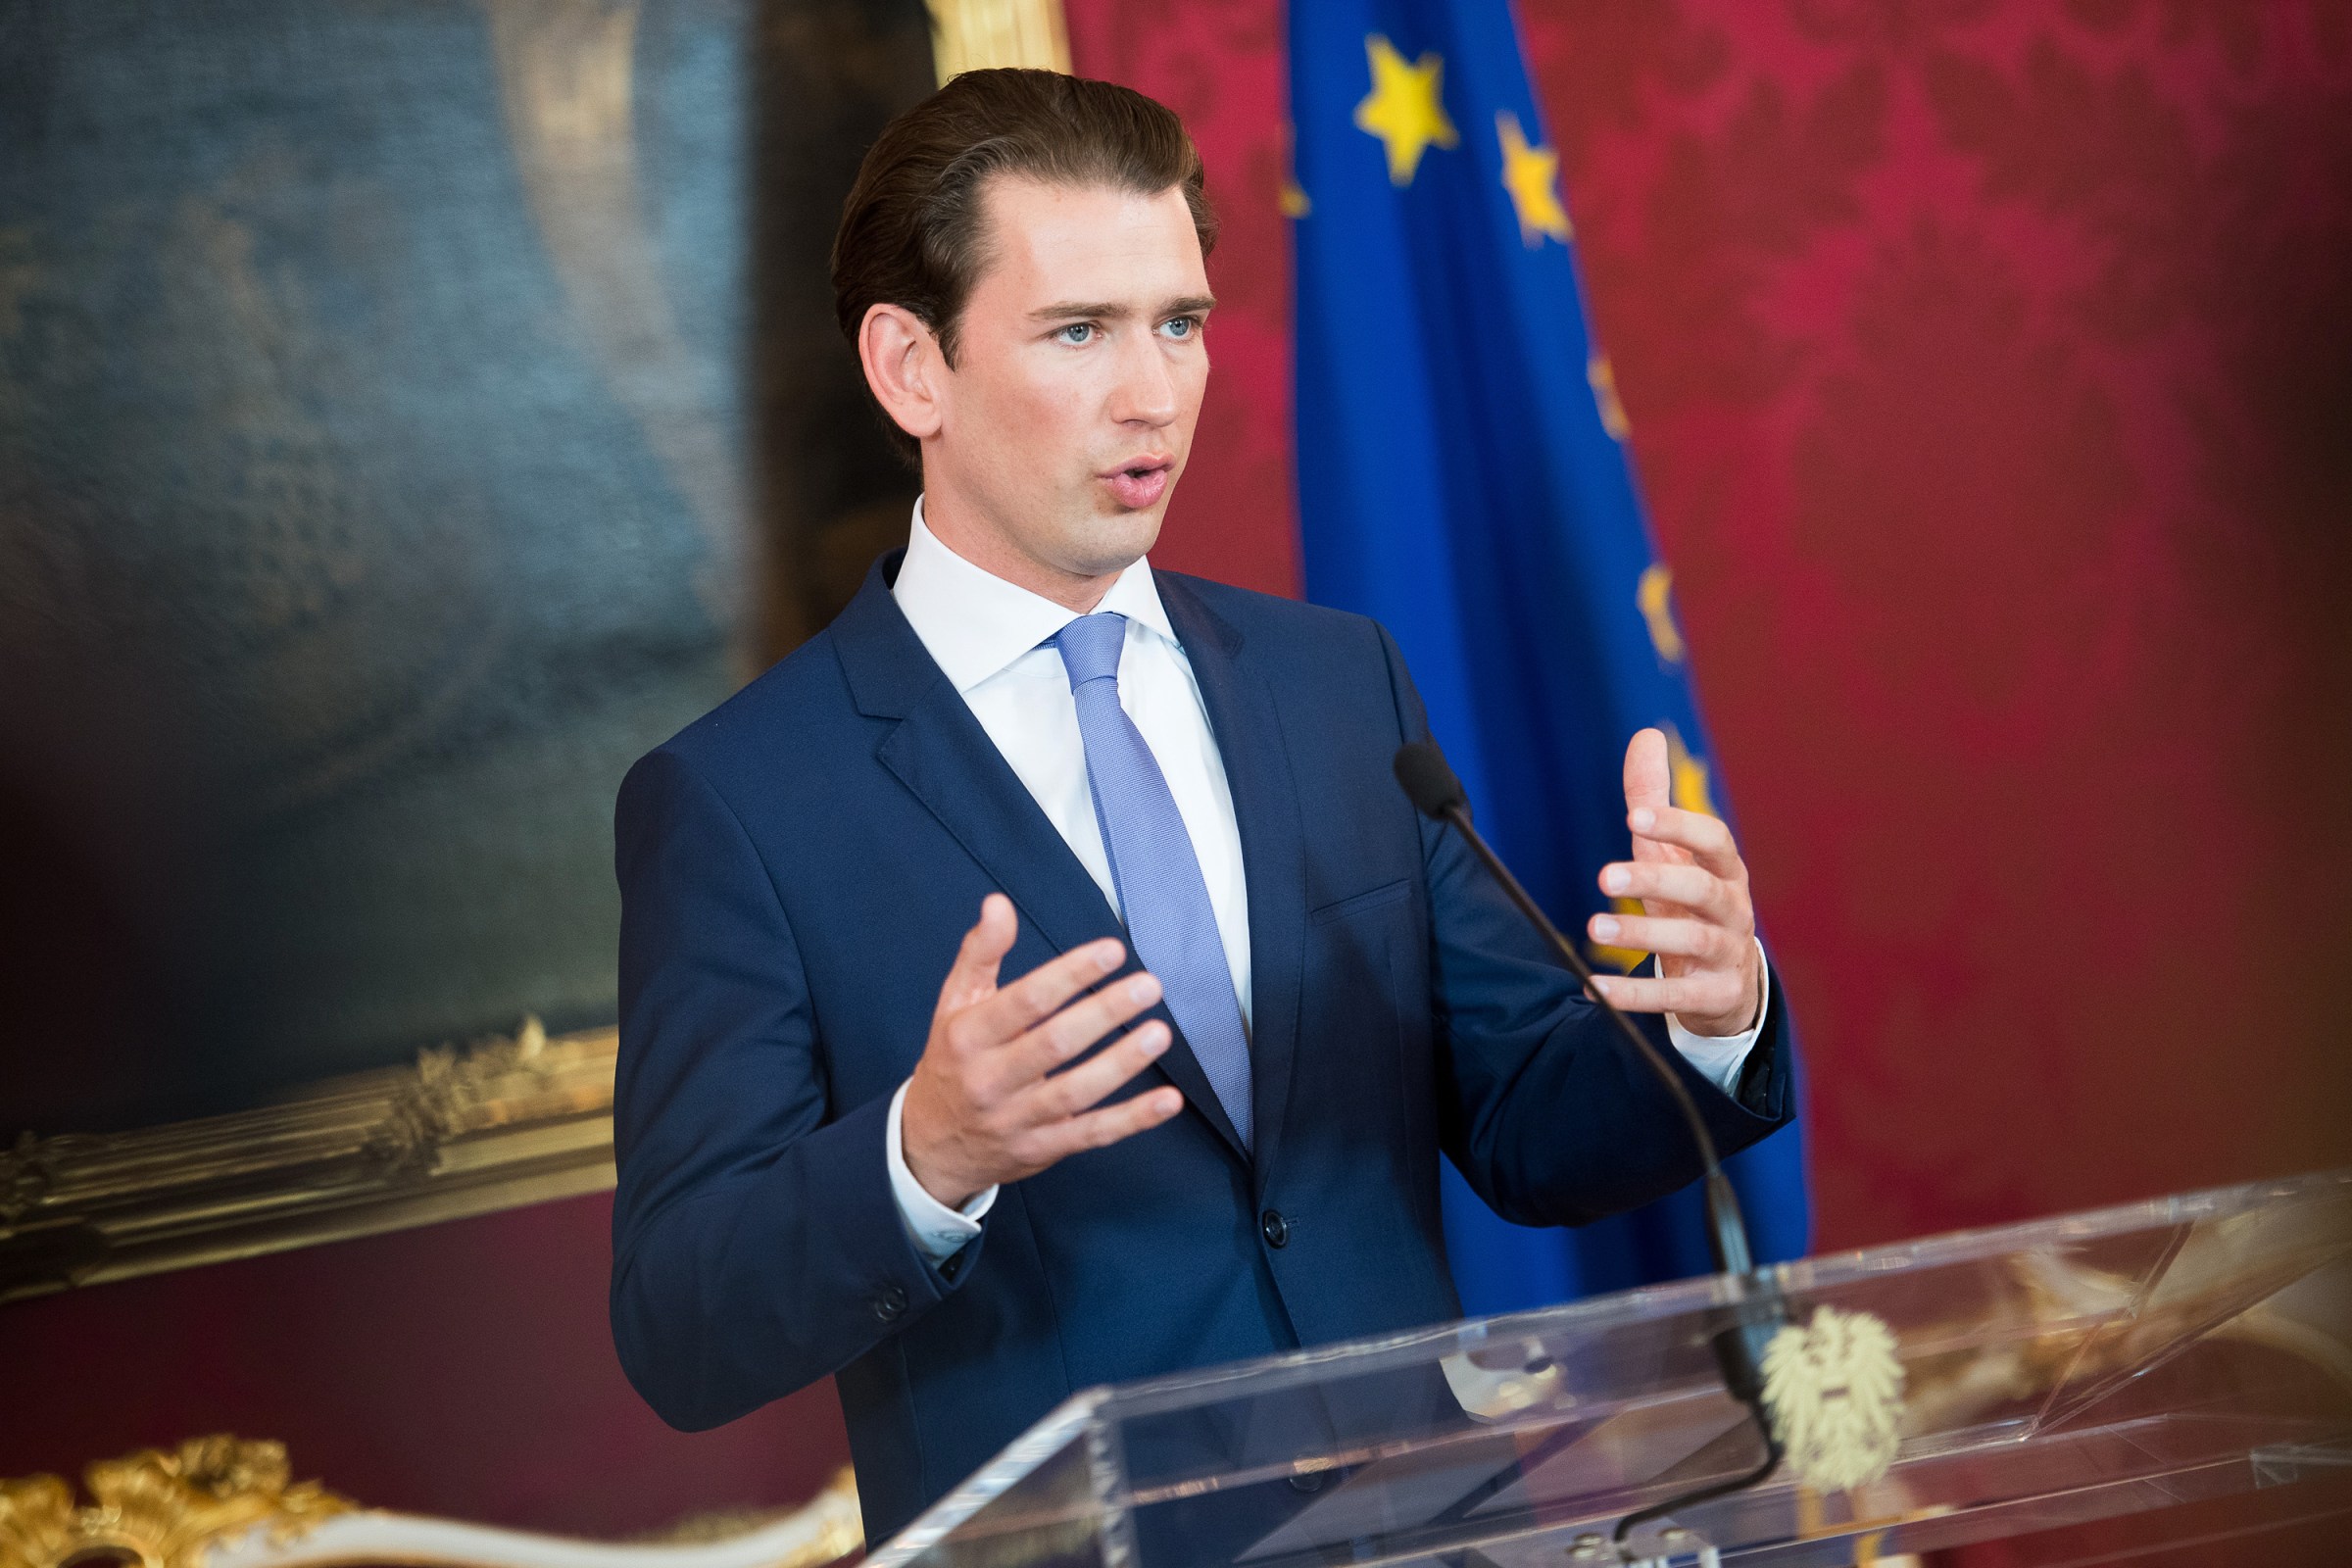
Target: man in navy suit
[{"x": 1177, "y": 1097}]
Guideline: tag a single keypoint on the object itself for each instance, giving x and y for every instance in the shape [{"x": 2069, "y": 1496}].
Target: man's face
[{"x": 1079, "y": 369}]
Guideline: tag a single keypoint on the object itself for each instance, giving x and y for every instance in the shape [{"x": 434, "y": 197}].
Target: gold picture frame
[{"x": 508, "y": 1121}]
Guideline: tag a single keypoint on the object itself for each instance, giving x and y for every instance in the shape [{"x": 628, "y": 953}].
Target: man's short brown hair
[{"x": 910, "y": 232}]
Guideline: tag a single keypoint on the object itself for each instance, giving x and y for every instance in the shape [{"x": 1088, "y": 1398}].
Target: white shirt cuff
[
  {"x": 938, "y": 1232},
  {"x": 1718, "y": 1057}
]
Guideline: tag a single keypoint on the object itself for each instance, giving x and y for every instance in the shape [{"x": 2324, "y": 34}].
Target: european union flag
[{"x": 1464, "y": 478}]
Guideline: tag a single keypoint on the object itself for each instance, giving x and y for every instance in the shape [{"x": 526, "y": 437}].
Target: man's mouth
[{"x": 1141, "y": 483}]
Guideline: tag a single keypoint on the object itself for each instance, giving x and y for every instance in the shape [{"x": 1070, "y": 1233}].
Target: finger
[
  {"x": 1647, "y": 781},
  {"x": 1659, "y": 850},
  {"x": 1066, "y": 1094},
  {"x": 1707, "y": 839},
  {"x": 1012, "y": 1009},
  {"x": 973, "y": 974},
  {"x": 1682, "y": 939},
  {"x": 1694, "y": 887},
  {"x": 1066, "y": 1036},
  {"x": 1099, "y": 1129},
  {"x": 1706, "y": 993}
]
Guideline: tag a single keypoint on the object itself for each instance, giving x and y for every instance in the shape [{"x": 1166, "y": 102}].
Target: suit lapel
[
  {"x": 938, "y": 750},
  {"x": 1266, "y": 803},
  {"x": 943, "y": 755}
]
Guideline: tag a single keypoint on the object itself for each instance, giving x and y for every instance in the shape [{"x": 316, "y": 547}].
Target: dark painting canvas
[{"x": 410, "y": 412}]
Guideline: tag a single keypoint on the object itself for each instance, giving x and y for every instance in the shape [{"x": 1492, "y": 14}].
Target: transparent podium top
[{"x": 2069, "y": 1369}]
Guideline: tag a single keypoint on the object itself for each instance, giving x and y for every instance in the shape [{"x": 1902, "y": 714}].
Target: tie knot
[{"x": 1090, "y": 647}]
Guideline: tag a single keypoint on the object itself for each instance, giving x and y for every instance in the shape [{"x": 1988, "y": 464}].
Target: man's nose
[{"x": 1145, "y": 390}]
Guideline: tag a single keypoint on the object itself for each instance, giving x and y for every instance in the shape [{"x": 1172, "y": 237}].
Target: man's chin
[{"x": 1112, "y": 542}]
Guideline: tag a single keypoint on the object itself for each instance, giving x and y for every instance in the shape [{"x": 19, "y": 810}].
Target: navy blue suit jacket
[{"x": 797, "y": 869}]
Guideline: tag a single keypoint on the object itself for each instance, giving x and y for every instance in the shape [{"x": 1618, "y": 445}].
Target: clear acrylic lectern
[{"x": 2066, "y": 1370}]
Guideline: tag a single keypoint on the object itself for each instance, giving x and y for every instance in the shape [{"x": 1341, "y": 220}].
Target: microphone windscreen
[{"x": 1429, "y": 782}]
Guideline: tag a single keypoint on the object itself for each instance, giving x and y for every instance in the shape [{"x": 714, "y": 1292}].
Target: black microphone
[{"x": 1429, "y": 782}]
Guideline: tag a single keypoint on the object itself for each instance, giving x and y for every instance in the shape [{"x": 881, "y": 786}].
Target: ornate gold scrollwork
[
  {"x": 226, "y": 1501},
  {"x": 506, "y": 1121},
  {"x": 158, "y": 1509}
]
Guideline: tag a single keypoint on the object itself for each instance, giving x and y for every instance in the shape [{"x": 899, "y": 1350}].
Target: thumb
[
  {"x": 974, "y": 973},
  {"x": 1646, "y": 779}
]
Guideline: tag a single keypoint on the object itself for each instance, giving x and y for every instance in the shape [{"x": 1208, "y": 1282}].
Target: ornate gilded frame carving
[
  {"x": 159, "y": 1510},
  {"x": 509, "y": 1121},
  {"x": 225, "y": 1503}
]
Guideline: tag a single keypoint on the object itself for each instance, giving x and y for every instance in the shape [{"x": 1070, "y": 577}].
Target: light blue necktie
[{"x": 1170, "y": 922}]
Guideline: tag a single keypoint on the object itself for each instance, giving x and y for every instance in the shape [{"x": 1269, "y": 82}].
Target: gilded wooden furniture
[{"x": 224, "y": 1503}]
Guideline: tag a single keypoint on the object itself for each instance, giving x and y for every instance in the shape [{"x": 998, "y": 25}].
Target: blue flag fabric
[{"x": 1462, "y": 477}]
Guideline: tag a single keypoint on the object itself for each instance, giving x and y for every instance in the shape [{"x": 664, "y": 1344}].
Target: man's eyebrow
[{"x": 1081, "y": 310}]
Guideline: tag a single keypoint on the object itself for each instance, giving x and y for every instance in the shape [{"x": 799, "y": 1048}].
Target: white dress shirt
[{"x": 991, "y": 638}]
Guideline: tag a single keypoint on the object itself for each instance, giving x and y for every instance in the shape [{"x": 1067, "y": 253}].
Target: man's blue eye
[
  {"x": 1078, "y": 327},
  {"x": 1182, "y": 325}
]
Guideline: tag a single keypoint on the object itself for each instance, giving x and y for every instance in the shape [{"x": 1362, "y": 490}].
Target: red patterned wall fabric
[
  {"x": 1221, "y": 64},
  {"x": 1990, "y": 367}
]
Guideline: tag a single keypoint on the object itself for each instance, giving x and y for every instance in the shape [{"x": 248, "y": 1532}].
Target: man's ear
[{"x": 903, "y": 367}]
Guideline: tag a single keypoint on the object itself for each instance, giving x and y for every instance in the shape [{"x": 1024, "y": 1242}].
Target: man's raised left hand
[{"x": 1696, "y": 916}]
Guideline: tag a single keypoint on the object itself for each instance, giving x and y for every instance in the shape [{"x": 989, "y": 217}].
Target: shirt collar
[{"x": 974, "y": 624}]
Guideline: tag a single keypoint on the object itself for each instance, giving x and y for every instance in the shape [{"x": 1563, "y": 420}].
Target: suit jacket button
[
  {"x": 891, "y": 1305},
  {"x": 1274, "y": 1228}
]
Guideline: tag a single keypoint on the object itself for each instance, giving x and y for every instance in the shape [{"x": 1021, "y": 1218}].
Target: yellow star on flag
[
  {"x": 1532, "y": 175},
  {"x": 1653, "y": 596},
  {"x": 1604, "y": 377},
  {"x": 1403, "y": 109}
]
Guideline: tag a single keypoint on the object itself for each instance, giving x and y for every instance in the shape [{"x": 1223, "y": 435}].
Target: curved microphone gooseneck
[{"x": 1430, "y": 783}]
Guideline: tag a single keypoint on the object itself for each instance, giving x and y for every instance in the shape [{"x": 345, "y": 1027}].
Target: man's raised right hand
[{"x": 993, "y": 1099}]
